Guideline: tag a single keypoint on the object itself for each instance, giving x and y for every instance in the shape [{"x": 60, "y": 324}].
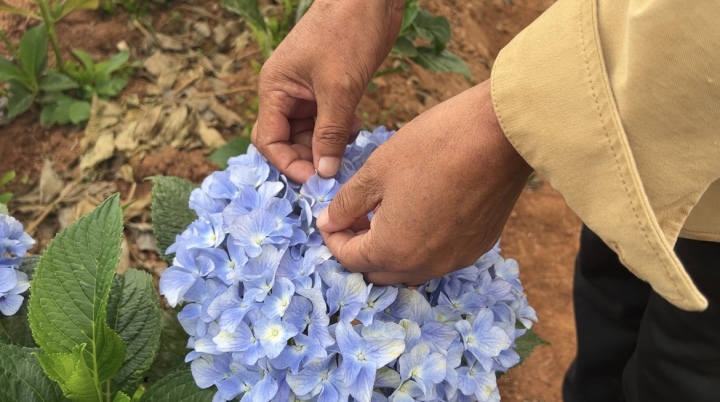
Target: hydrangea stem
[{"x": 50, "y": 27}]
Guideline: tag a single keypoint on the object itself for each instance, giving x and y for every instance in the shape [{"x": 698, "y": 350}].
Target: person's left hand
[{"x": 442, "y": 189}]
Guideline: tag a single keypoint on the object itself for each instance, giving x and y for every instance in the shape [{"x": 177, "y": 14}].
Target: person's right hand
[{"x": 311, "y": 85}]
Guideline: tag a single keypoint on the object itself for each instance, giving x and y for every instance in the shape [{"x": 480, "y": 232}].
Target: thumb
[
  {"x": 355, "y": 199},
  {"x": 335, "y": 124}
]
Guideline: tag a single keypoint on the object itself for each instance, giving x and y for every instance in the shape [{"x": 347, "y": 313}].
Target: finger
[
  {"x": 382, "y": 278},
  {"x": 298, "y": 126},
  {"x": 304, "y": 151},
  {"x": 336, "y": 113},
  {"x": 355, "y": 199},
  {"x": 304, "y": 138},
  {"x": 352, "y": 250},
  {"x": 355, "y": 129},
  {"x": 271, "y": 137}
]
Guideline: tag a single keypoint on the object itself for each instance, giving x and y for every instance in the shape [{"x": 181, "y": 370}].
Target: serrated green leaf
[
  {"x": 435, "y": 29},
  {"x": 121, "y": 397},
  {"x": 134, "y": 313},
  {"x": 4, "y": 6},
  {"x": 72, "y": 5},
  {"x": 56, "y": 81},
  {"x": 9, "y": 71},
  {"x": 70, "y": 289},
  {"x": 409, "y": 13},
  {"x": 170, "y": 211},
  {"x": 405, "y": 47},
  {"x": 33, "y": 53},
  {"x": 22, "y": 379},
  {"x": 71, "y": 372},
  {"x": 173, "y": 347},
  {"x": 444, "y": 61},
  {"x": 79, "y": 112},
  {"x": 20, "y": 99},
  {"x": 177, "y": 387},
  {"x": 234, "y": 147},
  {"x": 525, "y": 344}
]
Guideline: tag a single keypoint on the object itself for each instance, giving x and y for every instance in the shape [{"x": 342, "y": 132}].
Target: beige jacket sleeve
[{"x": 617, "y": 104}]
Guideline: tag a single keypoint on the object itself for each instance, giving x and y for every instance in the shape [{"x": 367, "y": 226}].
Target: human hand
[
  {"x": 311, "y": 85},
  {"x": 442, "y": 189}
]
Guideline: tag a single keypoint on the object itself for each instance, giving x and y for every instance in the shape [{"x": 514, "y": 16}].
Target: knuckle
[{"x": 333, "y": 135}]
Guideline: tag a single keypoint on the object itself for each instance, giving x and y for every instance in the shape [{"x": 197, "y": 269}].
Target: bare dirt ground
[{"x": 542, "y": 233}]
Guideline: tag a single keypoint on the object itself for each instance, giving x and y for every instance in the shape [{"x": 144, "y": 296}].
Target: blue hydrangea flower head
[
  {"x": 273, "y": 316},
  {"x": 14, "y": 243}
]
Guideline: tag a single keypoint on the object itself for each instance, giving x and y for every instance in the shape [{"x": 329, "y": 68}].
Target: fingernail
[
  {"x": 328, "y": 166},
  {"x": 323, "y": 219}
]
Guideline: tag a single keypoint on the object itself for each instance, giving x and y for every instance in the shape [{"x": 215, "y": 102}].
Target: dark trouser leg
[
  {"x": 609, "y": 305},
  {"x": 666, "y": 354},
  {"x": 678, "y": 352}
]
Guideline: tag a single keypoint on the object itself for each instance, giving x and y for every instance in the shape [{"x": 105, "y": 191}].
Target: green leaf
[
  {"x": 121, "y": 397},
  {"x": 79, "y": 112},
  {"x": 85, "y": 59},
  {"x": 444, "y": 61},
  {"x": 302, "y": 8},
  {"x": 409, "y": 14},
  {"x": 16, "y": 327},
  {"x": 56, "y": 81},
  {"x": 236, "y": 146},
  {"x": 3, "y": 209},
  {"x": 112, "y": 64},
  {"x": 20, "y": 99},
  {"x": 72, "y": 5},
  {"x": 8, "y": 71},
  {"x": 4, "y": 6},
  {"x": 22, "y": 379},
  {"x": 177, "y": 387},
  {"x": 111, "y": 87},
  {"x": 71, "y": 371},
  {"x": 134, "y": 313},
  {"x": 7, "y": 178},
  {"x": 249, "y": 10},
  {"x": 525, "y": 344},
  {"x": 173, "y": 347},
  {"x": 170, "y": 211},
  {"x": 405, "y": 47},
  {"x": 69, "y": 295},
  {"x": 33, "y": 53},
  {"x": 435, "y": 29}
]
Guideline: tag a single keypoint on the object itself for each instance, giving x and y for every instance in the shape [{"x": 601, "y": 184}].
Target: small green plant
[
  {"x": 5, "y": 196},
  {"x": 434, "y": 31},
  {"x": 268, "y": 31},
  {"x": 95, "y": 334},
  {"x": 134, "y": 7},
  {"x": 64, "y": 95},
  {"x": 105, "y": 79}
]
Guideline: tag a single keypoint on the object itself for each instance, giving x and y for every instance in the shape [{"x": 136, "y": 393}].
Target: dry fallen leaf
[
  {"x": 101, "y": 150},
  {"x": 228, "y": 117},
  {"x": 161, "y": 61},
  {"x": 167, "y": 42},
  {"x": 209, "y": 136},
  {"x": 50, "y": 184}
]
